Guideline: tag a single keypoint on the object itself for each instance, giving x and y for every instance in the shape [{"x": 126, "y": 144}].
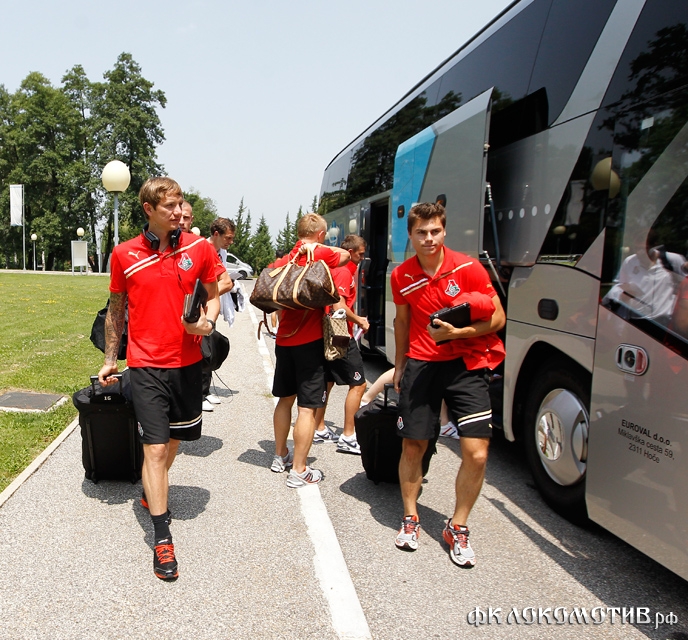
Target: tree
[
  {"x": 263, "y": 253},
  {"x": 204, "y": 210},
  {"x": 82, "y": 175},
  {"x": 283, "y": 242},
  {"x": 56, "y": 141},
  {"x": 36, "y": 151},
  {"x": 127, "y": 128},
  {"x": 314, "y": 204},
  {"x": 242, "y": 236}
]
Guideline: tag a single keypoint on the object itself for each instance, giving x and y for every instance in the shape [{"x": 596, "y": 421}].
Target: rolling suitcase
[
  {"x": 376, "y": 432},
  {"x": 110, "y": 447}
]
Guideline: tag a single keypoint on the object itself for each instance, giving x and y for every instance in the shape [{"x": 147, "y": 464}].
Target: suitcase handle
[
  {"x": 94, "y": 379},
  {"x": 389, "y": 386}
]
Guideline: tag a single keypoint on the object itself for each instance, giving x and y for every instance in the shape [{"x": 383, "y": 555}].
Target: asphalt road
[{"x": 260, "y": 560}]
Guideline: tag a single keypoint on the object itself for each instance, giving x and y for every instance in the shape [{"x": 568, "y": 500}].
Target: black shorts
[
  {"x": 348, "y": 370},
  {"x": 423, "y": 387},
  {"x": 300, "y": 372},
  {"x": 167, "y": 403}
]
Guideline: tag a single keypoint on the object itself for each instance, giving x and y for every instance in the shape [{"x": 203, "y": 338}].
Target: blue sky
[{"x": 261, "y": 95}]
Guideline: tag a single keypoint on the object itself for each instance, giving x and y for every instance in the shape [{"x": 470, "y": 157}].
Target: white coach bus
[{"x": 558, "y": 140}]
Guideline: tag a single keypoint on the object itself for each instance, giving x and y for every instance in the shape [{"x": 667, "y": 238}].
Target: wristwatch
[{"x": 212, "y": 324}]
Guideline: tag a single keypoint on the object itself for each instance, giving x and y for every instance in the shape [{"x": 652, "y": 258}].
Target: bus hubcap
[{"x": 562, "y": 436}]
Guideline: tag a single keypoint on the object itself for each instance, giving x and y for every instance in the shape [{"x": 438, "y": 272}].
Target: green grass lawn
[{"x": 45, "y": 324}]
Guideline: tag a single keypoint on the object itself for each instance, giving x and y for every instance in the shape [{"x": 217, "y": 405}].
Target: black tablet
[
  {"x": 458, "y": 316},
  {"x": 194, "y": 301}
]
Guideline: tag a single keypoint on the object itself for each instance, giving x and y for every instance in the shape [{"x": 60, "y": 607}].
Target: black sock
[{"x": 161, "y": 524}]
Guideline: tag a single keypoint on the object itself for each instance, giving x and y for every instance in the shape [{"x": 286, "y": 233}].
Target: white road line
[{"x": 348, "y": 619}]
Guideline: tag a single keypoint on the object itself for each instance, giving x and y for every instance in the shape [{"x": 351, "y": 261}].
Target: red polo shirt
[
  {"x": 302, "y": 327},
  {"x": 155, "y": 284},
  {"x": 459, "y": 279}
]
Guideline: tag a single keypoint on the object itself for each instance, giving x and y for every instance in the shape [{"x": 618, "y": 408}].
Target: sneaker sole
[
  {"x": 166, "y": 576},
  {"x": 292, "y": 485},
  {"x": 407, "y": 546},
  {"x": 356, "y": 452},
  {"x": 297, "y": 483}
]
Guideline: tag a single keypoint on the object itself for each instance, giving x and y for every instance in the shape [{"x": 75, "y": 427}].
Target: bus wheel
[{"x": 557, "y": 422}]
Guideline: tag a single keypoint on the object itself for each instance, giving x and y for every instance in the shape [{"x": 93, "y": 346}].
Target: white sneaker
[
  {"x": 348, "y": 445},
  {"x": 207, "y": 406},
  {"x": 324, "y": 436},
  {"x": 213, "y": 399},
  {"x": 282, "y": 463},
  {"x": 309, "y": 476}
]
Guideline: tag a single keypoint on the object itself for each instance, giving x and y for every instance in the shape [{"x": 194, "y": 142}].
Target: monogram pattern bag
[
  {"x": 335, "y": 335},
  {"x": 295, "y": 287}
]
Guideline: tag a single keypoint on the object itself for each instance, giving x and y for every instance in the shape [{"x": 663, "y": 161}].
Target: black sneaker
[{"x": 165, "y": 564}]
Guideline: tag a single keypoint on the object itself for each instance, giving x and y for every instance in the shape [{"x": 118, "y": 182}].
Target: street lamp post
[
  {"x": 34, "y": 237},
  {"x": 116, "y": 178}
]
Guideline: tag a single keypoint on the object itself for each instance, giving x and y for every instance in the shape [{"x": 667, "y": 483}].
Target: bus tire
[{"x": 556, "y": 425}]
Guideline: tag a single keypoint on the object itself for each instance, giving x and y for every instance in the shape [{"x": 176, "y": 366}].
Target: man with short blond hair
[
  {"x": 153, "y": 272},
  {"x": 300, "y": 360}
]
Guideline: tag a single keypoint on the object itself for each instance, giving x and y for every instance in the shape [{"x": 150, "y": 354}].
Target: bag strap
[
  {"x": 310, "y": 254},
  {"x": 264, "y": 321}
]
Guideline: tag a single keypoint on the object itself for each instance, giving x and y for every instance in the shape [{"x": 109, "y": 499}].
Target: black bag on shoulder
[{"x": 98, "y": 332}]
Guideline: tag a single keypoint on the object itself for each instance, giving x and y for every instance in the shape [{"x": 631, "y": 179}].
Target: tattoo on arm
[{"x": 114, "y": 326}]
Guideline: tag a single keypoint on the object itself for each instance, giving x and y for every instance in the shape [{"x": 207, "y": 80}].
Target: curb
[{"x": 37, "y": 462}]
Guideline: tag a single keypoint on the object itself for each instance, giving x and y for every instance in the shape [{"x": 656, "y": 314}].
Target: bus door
[
  {"x": 371, "y": 289},
  {"x": 447, "y": 161},
  {"x": 637, "y": 475}
]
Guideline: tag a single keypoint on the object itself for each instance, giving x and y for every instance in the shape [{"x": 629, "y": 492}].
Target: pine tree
[
  {"x": 294, "y": 229},
  {"x": 242, "y": 235},
  {"x": 314, "y": 204},
  {"x": 284, "y": 236},
  {"x": 263, "y": 253}
]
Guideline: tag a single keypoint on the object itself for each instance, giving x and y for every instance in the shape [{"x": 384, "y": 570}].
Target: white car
[{"x": 234, "y": 265}]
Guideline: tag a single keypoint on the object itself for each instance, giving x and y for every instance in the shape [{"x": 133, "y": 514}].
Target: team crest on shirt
[
  {"x": 140, "y": 430},
  {"x": 185, "y": 262},
  {"x": 452, "y": 289},
  {"x": 400, "y": 424},
  {"x": 357, "y": 376}
]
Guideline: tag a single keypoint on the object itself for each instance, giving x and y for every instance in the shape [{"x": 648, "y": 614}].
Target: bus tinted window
[
  {"x": 504, "y": 61},
  {"x": 570, "y": 35},
  {"x": 654, "y": 60}
]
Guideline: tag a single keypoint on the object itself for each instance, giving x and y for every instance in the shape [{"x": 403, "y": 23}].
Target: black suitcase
[
  {"x": 376, "y": 432},
  {"x": 110, "y": 447}
]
